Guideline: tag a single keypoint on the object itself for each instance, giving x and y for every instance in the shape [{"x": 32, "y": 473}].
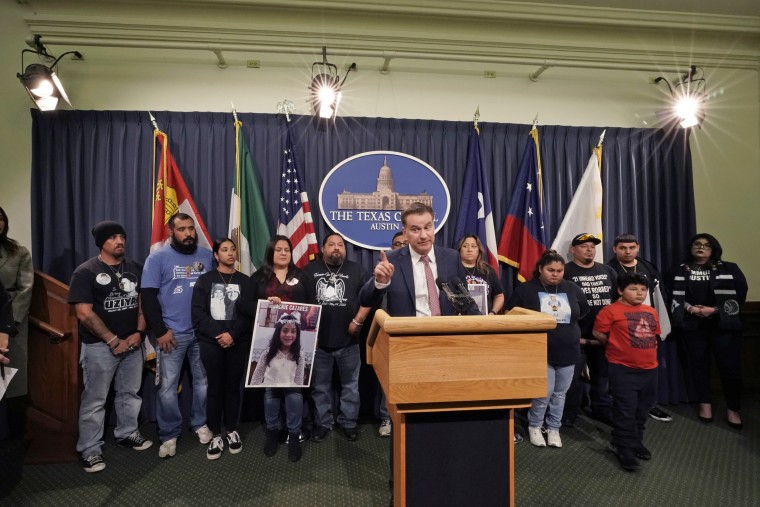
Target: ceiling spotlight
[
  {"x": 688, "y": 94},
  {"x": 41, "y": 81},
  {"x": 326, "y": 87}
]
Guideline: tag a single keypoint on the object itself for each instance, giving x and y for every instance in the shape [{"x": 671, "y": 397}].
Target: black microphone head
[
  {"x": 457, "y": 281},
  {"x": 439, "y": 282}
]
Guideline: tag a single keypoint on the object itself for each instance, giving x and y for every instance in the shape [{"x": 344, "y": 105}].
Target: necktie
[{"x": 435, "y": 305}]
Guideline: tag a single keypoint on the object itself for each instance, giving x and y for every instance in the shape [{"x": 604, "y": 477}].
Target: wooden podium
[{"x": 452, "y": 384}]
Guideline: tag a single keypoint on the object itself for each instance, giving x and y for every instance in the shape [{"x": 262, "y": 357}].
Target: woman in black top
[
  {"x": 279, "y": 280},
  {"x": 478, "y": 270},
  {"x": 707, "y": 294},
  {"x": 224, "y": 337},
  {"x": 548, "y": 292}
]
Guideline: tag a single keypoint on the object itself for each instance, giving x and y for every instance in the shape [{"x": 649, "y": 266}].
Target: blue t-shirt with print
[{"x": 174, "y": 275}]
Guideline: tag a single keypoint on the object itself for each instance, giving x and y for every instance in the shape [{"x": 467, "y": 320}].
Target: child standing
[{"x": 629, "y": 330}]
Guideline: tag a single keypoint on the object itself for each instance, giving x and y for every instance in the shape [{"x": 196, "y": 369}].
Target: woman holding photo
[
  {"x": 224, "y": 338},
  {"x": 278, "y": 280}
]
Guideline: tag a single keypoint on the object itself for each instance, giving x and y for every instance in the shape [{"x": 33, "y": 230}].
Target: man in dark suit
[{"x": 408, "y": 275}]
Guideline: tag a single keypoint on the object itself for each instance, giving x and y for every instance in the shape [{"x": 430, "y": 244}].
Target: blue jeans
[
  {"x": 349, "y": 362},
  {"x": 99, "y": 368},
  {"x": 169, "y": 369},
  {"x": 558, "y": 379},
  {"x": 293, "y": 408}
]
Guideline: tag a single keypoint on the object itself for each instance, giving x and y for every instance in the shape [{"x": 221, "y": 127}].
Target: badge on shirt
[{"x": 103, "y": 278}]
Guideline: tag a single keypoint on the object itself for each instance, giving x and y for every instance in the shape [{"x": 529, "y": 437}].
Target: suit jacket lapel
[{"x": 405, "y": 263}]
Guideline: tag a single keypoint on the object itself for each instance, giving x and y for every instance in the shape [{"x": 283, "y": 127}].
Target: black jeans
[
  {"x": 225, "y": 369},
  {"x": 635, "y": 392},
  {"x": 599, "y": 392}
]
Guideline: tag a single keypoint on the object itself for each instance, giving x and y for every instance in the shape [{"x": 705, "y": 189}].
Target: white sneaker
[
  {"x": 215, "y": 448},
  {"x": 552, "y": 436},
  {"x": 536, "y": 438},
  {"x": 204, "y": 434},
  {"x": 168, "y": 448},
  {"x": 385, "y": 428}
]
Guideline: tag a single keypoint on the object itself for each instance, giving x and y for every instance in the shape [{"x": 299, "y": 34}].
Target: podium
[{"x": 452, "y": 384}]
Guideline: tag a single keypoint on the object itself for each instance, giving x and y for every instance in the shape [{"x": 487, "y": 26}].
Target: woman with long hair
[
  {"x": 707, "y": 293},
  {"x": 282, "y": 362},
  {"x": 17, "y": 275},
  {"x": 279, "y": 280},
  {"x": 472, "y": 255},
  {"x": 548, "y": 292},
  {"x": 224, "y": 337}
]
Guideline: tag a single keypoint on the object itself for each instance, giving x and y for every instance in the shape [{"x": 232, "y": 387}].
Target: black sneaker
[
  {"x": 660, "y": 415},
  {"x": 215, "y": 448},
  {"x": 92, "y": 464},
  {"x": 518, "y": 438},
  {"x": 320, "y": 433},
  {"x": 135, "y": 441},
  {"x": 234, "y": 444},
  {"x": 627, "y": 459},
  {"x": 643, "y": 453},
  {"x": 351, "y": 433}
]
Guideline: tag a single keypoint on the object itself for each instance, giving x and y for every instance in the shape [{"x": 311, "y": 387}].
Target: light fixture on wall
[
  {"x": 41, "y": 81},
  {"x": 688, "y": 94},
  {"x": 326, "y": 87}
]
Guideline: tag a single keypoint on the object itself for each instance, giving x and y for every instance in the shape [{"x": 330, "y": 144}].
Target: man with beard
[
  {"x": 168, "y": 279},
  {"x": 104, "y": 292},
  {"x": 337, "y": 287},
  {"x": 626, "y": 249},
  {"x": 598, "y": 282}
]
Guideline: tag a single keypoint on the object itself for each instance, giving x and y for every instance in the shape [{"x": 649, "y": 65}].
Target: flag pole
[
  {"x": 153, "y": 183},
  {"x": 475, "y": 119},
  {"x": 237, "y": 124}
]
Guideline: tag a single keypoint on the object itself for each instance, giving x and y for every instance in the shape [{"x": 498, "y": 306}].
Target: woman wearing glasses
[{"x": 707, "y": 294}]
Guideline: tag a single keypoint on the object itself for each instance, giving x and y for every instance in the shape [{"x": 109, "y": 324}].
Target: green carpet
[{"x": 694, "y": 464}]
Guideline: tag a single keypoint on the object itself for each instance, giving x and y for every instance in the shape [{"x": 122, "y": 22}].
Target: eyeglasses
[
  {"x": 399, "y": 244},
  {"x": 705, "y": 246}
]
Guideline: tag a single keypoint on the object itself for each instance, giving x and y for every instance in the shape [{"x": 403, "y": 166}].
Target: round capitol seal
[
  {"x": 103, "y": 278},
  {"x": 731, "y": 307}
]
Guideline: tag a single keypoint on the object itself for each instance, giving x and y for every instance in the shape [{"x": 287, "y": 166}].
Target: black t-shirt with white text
[
  {"x": 113, "y": 292},
  {"x": 337, "y": 290},
  {"x": 599, "y": 284}
]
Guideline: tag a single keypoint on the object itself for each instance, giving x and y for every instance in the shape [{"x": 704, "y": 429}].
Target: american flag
[{"x": 295, "y": 213}]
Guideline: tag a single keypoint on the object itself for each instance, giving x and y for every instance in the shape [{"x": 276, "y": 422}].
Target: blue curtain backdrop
[{"x": 89, "y": 166}]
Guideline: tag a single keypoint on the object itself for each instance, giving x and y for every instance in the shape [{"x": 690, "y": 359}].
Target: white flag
[{"x": 585, "y": 211}]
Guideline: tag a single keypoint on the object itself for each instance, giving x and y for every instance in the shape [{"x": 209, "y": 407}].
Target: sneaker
[
  {"x": 627, "y": 458},
  {"x": 518, "y": 439},
  {"x": 204, "y": 434},
  {"x": 660, "y": 415},
  {"x": 320, "y": 433},
  {"x": 553, "y": 439},
  {"x": 168, "y": 448},
  {"x": 351, "y": 433},
  {"x": 294, "y": 449},
  {"x": 642, "y": 452},
  {"x": 234, "y": 443},
  {"x": 93, "y": 463},
  {"x": 215, "y": 448},
  {"x": 536, "y": 437},
  {"x": 385, "y": 428},
  {"x": 135, "y": 441}
]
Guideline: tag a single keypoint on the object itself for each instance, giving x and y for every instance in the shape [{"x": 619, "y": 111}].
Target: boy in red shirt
[{"x": 629, "y": 330}]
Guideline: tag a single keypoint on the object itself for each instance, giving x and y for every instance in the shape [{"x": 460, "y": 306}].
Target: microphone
[
  {"x": 451, "y": 294},
  {"x": 463, "y": 291}
]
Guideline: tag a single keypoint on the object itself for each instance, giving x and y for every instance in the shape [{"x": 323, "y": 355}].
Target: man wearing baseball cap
[
  {"x": 598, "y": 284},
  {"x": 105, "y": 294}
]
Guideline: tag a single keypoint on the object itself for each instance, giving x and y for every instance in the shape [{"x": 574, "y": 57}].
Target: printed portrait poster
[
  {"x": 283, "y": 345},
  {"x": 479, "y": 292}
]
